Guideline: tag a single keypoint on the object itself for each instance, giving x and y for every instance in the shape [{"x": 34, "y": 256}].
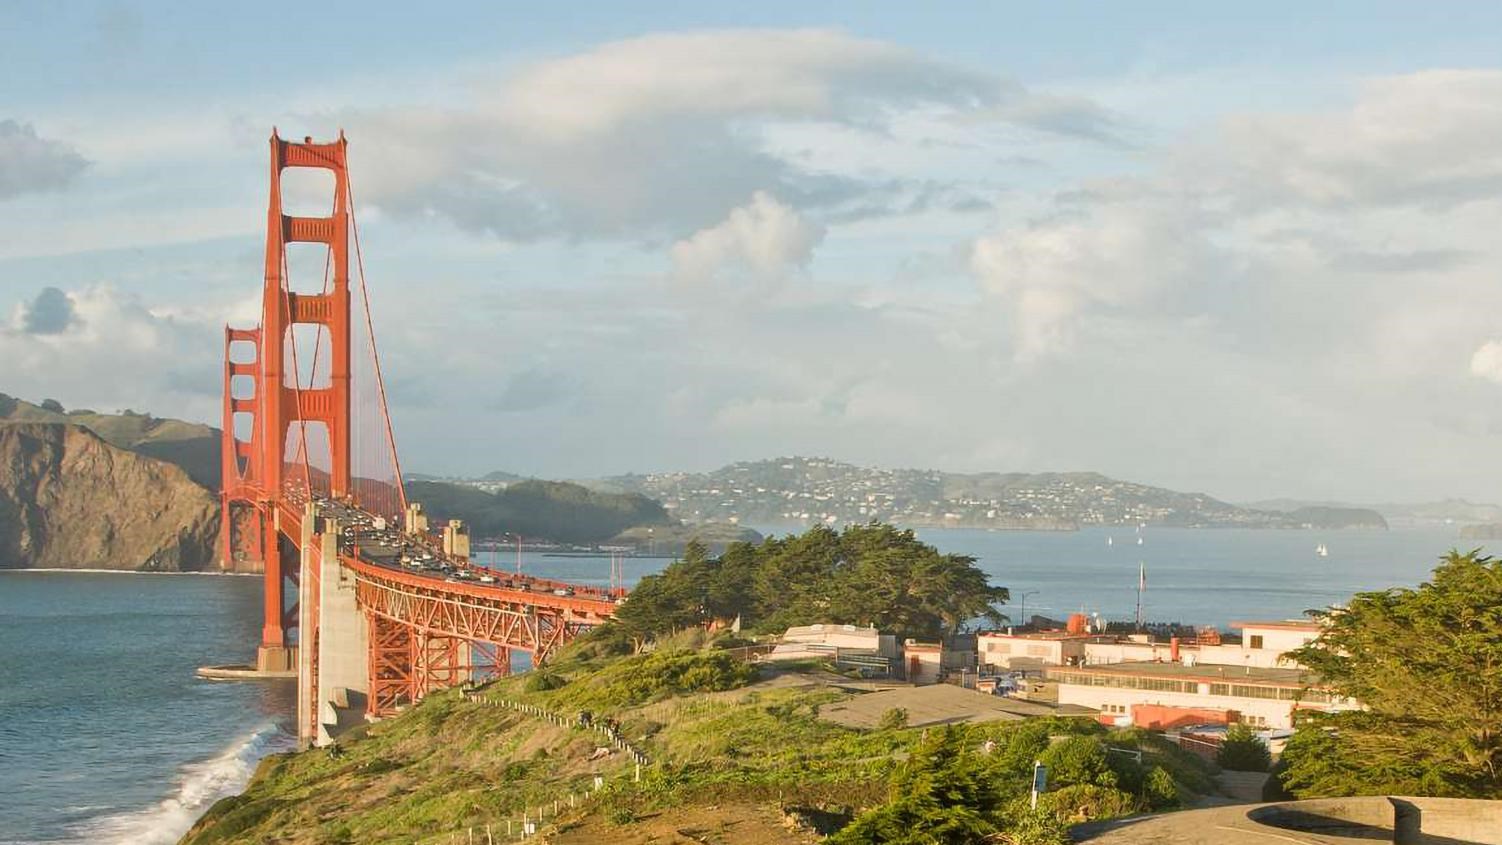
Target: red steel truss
[
  {"x": 391, "y": 682},
  {"x": 447, "y": 619}
]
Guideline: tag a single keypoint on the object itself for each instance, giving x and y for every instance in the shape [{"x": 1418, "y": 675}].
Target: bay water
[{"x": 107, "y": 736}]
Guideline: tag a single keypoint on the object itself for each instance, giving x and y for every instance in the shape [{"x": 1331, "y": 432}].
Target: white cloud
[
  {"x": 1420, "y": 139},
  {"x": 114, "y": 351},
  {"x": 1113, "y": 255},
  {"x": 662, "y": 135},
  {"x": 764, "y": 237},
  {"x": 1486, "y": 362}
]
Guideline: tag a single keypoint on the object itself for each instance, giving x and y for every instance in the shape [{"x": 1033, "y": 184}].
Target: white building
[
  {"x": 846, "y": 645},
  {"x": 1149, "y": 694},
  {"x": 999, "y": 650},
  {"x": 839, "y": 636},
  {"x": 1263, "y": 645},
  {"x": 929, "y": 663},
  {"x": 1280, "y": 636}
]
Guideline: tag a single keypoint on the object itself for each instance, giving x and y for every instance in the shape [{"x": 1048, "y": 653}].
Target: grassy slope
[
  {"x": 449, "y": 764},
  {"x": 723, "y": 762}
]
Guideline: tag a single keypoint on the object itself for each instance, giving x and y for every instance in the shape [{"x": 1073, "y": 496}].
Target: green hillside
[
  {"x": 735, "y": 754},
  {"x": 555, "y": 510},
  {"x": 192, "y": 446}
]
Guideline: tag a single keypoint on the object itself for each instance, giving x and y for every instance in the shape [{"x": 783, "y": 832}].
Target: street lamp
[{"x": 1023, "y": 597}]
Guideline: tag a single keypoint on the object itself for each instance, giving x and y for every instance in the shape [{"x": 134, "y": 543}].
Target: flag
[{"x": 1141, "y": 575}]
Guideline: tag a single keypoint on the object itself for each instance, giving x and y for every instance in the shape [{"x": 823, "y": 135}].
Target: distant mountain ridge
[
  {"x": 802, "y": 489},
  {"x": 555, "y": 510},
  {"x": 1443, "y": 512}
]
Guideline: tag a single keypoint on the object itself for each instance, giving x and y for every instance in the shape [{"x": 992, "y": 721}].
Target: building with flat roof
[
  {"x": 1031, "y": 650},
  {"x": 849, "y": 646},
  {"x": 930, "y": 663},
  {"x": 1262, "y": 645},
  {"x": 1260, "y": 696},
  {"x": 1281, "y": 636}
]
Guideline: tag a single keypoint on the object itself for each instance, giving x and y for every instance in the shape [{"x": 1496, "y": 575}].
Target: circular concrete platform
[{"x": 1326, "y": 821}]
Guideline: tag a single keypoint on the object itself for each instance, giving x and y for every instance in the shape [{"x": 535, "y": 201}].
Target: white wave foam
[{"x": 199, "y": 785}]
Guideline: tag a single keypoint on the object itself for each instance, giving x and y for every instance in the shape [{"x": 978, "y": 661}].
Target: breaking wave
[{"x": 199, "y": 785}]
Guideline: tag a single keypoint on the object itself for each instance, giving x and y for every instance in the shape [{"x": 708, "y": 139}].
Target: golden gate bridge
[{"x": 364, "y": 604}]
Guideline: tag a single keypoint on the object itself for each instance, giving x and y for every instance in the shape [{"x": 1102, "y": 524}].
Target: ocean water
[
  {"x": 107, "y": 736},
  {"x": 1195, "y": 576}
]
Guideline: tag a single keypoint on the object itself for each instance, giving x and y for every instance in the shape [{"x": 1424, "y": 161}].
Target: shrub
[
  {"x": 1242, "y": 751},
  {"x": 1079, "y": 760},
  {"x": 538, "y": 681},
  {"x": 939, "y": 795},
  {"x": 1025, "y": 826},
  {"x": 1159, "y": 789},
  {"x": 1083, "y": 802},
  {"x": 1193, "y": 772},
  {"x": 657, "y": 675},
  {"x": 893, "y": 719},
  {"x": 621, "y": 815}
]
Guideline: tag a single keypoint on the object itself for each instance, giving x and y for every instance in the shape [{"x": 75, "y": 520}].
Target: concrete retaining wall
[{"x": 1419, "y": 821}]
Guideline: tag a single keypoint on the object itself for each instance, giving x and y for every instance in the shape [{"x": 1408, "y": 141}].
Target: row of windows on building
[{"x": 1193, "y": 687}]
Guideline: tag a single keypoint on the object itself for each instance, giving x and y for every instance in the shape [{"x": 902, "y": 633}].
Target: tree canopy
[
  {"x": 871, "y": 574},
  {"x": 1242, "y": 751},
  {"x": 1427, "y": 663}
]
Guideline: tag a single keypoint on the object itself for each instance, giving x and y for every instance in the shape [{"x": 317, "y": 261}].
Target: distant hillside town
[{"x": 804, "y": 490}]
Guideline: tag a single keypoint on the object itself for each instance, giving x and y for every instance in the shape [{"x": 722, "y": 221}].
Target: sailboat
[
  {"x": 1110, "y": 541},
  {"x": 1139, "y": 541},
  {"x": 1322, "y": 550}
]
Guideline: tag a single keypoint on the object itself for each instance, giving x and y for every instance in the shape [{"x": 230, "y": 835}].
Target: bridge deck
[{"x": 378, "y": 555}]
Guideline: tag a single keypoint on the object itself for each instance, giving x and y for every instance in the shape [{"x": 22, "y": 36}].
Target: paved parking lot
[{"x": 937, "y": 704}]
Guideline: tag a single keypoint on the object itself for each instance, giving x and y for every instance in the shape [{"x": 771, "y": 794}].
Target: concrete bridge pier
[{"x": 333, "y": 669}]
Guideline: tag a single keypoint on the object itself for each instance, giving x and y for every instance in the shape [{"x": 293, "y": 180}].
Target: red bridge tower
[{"x": 284, "y": 440}]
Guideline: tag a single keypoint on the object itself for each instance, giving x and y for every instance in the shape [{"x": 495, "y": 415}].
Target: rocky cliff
[{"x": 69, "y": 499}]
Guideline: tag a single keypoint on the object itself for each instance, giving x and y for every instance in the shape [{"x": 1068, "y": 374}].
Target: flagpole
[{"x": 1141, "y": 582}]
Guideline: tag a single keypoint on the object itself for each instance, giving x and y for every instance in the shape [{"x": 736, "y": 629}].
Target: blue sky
[{"x": 1249, "y": 252}]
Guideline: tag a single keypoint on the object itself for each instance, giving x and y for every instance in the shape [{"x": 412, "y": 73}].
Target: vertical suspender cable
[{"x": 375, "y": 357}]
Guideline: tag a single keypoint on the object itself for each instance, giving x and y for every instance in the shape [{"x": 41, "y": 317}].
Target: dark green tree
[
  {"x": 794, "y": 577},
  {"x": 939, "y": 795},
  {"x": 868, "y": 574},
  {"x": 1427, "y": 663},
  {"x": 1242, "y": 751}
]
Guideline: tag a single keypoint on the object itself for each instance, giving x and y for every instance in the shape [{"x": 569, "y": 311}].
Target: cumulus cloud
[
  {"x": 1422, "y": 139},
  {"x": 104, "y": 348},
  {"x": 1298, "y": 230},
  {"x": 662, "y": 135},
  {"x": 1486, "y": 362},
  {"x": 29, "y": 162},
  {"x": 764, "y": 237},
  {"x": 1114, "y": 255},
  {"x": 51, "y": 312}
]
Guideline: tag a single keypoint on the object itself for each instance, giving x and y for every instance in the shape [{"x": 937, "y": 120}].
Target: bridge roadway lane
[{"x": 428, "y": 568}]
